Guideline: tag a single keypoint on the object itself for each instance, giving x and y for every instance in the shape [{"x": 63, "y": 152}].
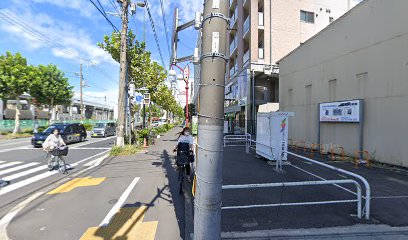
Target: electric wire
[
  {"x": 106, "y": 17},
  {"x": 165, "y": 27},
  {"x": 19, "y": 23},
  {"x": 115, "y": 7},
  {"x": 154, "y": 32}
]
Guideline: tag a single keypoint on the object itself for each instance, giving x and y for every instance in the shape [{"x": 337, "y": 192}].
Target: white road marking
[
  {"x": 96, "y": 162},
  {"x": 36, "y": 178},
  {"x": 5, "y": 221},
  {"x": 13, "y": 149},
  {"x": 90, "y": 142},
  {"x": 18, "y": 168},
  {"x": 15, "y": 142},
  {"x": 25, "y": 173},
  {"x": 9, "y": 164},
  {"x": 2, "y": 161},
  {"x": 90, "y": 148},
  {"x": 119, "y": 203}
]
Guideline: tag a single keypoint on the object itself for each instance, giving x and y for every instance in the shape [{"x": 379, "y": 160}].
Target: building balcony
[
  {"x": 234, "y": 18},
  {"x": 232, "y": 3},
  {"x": 232, "y": 72},
  {"x": 247, "y": 27},
  {"x": 245, "y": 58},
  {"x": 233, "y": 46}
]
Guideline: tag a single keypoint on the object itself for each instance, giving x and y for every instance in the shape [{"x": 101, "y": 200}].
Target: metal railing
[
  {"x": 237, "y": 140},
  {"x": 358, "y": 200},
  {"x": 246, "y": 25},
  {"x": 245, "y": 58},
  {"x": 367, "y": 197}
]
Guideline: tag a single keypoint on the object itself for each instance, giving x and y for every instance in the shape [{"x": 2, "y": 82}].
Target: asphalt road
[{"x": 133, "y": 197}]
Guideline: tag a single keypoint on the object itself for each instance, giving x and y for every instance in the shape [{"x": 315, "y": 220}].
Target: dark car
[{"x": 70, "y": 133}]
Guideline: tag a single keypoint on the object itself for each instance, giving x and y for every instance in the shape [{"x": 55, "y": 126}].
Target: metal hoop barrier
[
  {"x": 362, "y": 179},
  {"x": 303, "y": 143},
  {"x": 358, "y": 200},
  {"x": 238, "y": 141},
  {"x": 364, "y": 153},
  {"x": 316, "y": 147}
]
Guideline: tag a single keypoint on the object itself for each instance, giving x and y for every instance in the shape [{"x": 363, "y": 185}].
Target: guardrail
[{"x": 292, "y": 184}]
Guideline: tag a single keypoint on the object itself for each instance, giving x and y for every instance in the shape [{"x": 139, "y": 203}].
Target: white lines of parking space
[{"x": 22, "y": 174}]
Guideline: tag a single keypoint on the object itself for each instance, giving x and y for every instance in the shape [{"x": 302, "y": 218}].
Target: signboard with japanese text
[{"x": 343, "y": 111}]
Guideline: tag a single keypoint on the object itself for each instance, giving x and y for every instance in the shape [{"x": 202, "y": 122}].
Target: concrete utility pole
[
  {"x": 81, "y": 86},
  {"x": 207, "y": 214},
  {"x": 120, "y": 140}
]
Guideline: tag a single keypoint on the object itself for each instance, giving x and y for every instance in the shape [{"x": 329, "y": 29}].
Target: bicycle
[
  {"x": 181, "y": 169},
  {"x": 59, "y": 162}
]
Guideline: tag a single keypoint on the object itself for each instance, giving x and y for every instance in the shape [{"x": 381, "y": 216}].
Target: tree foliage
[
  {"x": 143, "y": 72},
  {"x": 51, "y": 87}
]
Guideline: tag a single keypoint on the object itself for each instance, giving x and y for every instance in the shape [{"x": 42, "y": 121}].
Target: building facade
[
  {"x": 363, "y": 55},
  {"x": 262, "y": 32}
]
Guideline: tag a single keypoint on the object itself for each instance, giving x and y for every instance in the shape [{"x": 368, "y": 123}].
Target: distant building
[{"x": 363, "y": 55}]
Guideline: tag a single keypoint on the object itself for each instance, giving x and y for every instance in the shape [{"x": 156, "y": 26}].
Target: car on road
[
  {"x": 70, "y": 133},
  {"x": 104, "y": 130}
]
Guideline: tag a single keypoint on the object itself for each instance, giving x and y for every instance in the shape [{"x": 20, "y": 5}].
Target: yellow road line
[
  {"x": 77, "y": 182},
  {"x": 126, "y": 224}
]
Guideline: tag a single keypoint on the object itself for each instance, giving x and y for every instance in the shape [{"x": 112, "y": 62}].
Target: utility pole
[
  {"x": 208, "y": 200},
  {"x": 81, "y": 85},
  {"x": 120, "y": 140}
]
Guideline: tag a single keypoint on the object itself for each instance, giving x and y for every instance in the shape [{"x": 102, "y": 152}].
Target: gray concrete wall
[{"x": 362, "y": 55}]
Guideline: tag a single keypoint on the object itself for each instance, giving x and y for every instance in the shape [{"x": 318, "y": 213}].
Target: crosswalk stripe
[
  {"x": 25, "y": 182},
  {"x": 18, "y": 168},
  {"x": 25, "y": 173},
  {"x": 9, "y": 164},
  {"x": 2, "y": 161}
]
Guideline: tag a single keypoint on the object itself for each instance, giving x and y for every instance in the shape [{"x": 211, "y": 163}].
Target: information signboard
[{"x": 344, "y": 111}]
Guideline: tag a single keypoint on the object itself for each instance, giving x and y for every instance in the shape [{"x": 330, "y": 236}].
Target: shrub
[
  {"x": 27, "y": 131},
  {"x": 143, "y": 133},
  {"x": 42, "y": 128},
  {"x": 88, "y": 126},
  {"x": 125, "y": 151}
]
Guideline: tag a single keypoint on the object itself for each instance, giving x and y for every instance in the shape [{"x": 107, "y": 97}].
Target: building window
[{"x": 306, "y": 16}]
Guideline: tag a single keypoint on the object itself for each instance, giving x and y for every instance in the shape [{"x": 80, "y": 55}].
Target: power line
[
  {"x": 115, "y": 7},
  {"x": 165, "y": 27},
  {"x": 43, "y": 38},
  {"x": 106, "y": 17},
  {"x": 154, "y": 32}
]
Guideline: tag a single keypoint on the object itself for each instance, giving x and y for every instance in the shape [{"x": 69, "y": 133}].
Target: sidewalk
[{"x": 389, "y": 202}]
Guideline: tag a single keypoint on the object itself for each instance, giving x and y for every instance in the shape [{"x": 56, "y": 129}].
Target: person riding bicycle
[
  {"x": 52, "y": 142},
  {"x": 184, "y": 148}
]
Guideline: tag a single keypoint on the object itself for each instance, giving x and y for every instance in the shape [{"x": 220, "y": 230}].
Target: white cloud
[
  {"x": 85, "y": 8},
  {"x": 45, "y": 29}
]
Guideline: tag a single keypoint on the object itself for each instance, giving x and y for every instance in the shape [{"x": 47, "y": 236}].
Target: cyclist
[
  {"x": 184, "y": 147},
  {"x": 53, "y": 141}
]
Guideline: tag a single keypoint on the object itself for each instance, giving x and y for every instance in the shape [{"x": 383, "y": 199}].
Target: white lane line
[
  {"x": 36, "y": 178},
  {"x": 119, "y": 203},
  {"x": 96, "y": 162},
  {"x": 26, "y": 140},
  {"x": 12, "y": 149},
  {"x": 25, "y": 173},
  {"x": 2, "y": 161},
  {"x": 18, "y": 168},
  {"x": 90, "y": 148},
  {"x": 5, "y": 221},
  {"x": 9, "y": 164},
  {"x": 90, "y": 142}
]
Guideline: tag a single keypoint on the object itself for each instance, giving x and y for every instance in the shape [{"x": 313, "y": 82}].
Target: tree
[
  {"x": 51, "y": 87},
  {"x": 191, "y": 110},
  {"x": 15, "y": 80}
]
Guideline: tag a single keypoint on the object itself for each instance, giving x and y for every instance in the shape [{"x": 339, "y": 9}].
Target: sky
[{"x": 39, "y": 29}]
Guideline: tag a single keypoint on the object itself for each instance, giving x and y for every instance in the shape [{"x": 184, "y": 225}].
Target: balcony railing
[
  {"x": 245, "y": 58},
  {"x": 246, "y": 25},
  {"x": 260, "y": 53},
  {"x": 233, "y": 45},
  {"x": 233, "y": 18},
  {"x": 260, "y": 19},
  {"x": 232, "y": 71}
]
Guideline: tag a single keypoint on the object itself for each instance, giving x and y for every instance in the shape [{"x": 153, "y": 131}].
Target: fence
[
  {"x": 8, "y": 125},
  {"x": 238, "y": 141}
]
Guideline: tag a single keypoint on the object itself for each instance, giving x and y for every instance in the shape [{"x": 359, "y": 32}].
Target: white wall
[{"x": 366, "y": 52}]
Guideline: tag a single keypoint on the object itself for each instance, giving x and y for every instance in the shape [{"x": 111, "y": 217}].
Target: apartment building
[{"x": 260, "y": 33}]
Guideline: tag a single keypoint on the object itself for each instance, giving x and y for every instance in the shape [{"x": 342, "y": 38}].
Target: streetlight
[{"x": 184, "y": 77}]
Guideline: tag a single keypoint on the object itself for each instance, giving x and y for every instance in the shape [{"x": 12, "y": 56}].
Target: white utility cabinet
[{"x": 272, "y": 135}]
